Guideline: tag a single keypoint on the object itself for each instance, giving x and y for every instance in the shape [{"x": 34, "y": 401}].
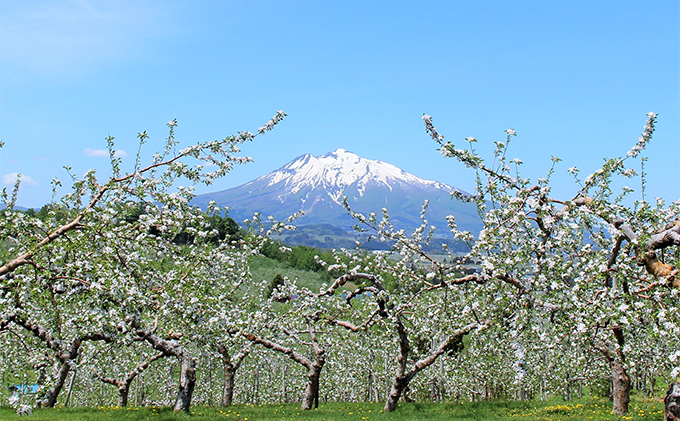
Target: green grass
[
  {"x": 265, "y": 268},
  {"x": 553, "y": 410}
]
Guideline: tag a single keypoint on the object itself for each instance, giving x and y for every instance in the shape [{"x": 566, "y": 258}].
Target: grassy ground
[
  {"x": 264, "y": 268},
  {"x": 554, "y": 410}
]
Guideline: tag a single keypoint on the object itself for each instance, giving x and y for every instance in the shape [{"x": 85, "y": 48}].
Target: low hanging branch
[
  {"x": 187, "y": 375},
  {"x": 311, "y": 396},
  {"x": 65, "y": 357},
  {"x": 405, "y": 374},
  {"x": 123, "y": 385}
]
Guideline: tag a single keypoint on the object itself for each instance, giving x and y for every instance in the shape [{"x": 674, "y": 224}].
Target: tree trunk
[
  {"x": 53, "y": 392},
  {"x": 228, "y": 389},
  {"x": 187, "y": 366},
  {"x": 620, "y": 381},
  {"x": 123, "y": 392},
  {"x": 187, "y": 381},
  {"x": 620, "y": 387},
  {"x": 66, "y": 358},
  {"x": 230, "y": 366},
  {"x": 311, "y": 396},
  {"x": 125, "y": 384},
  {"x": 229, "y": 376},
  {"x": 403, "y": 376},
  {"x": 399, "y": 384}
]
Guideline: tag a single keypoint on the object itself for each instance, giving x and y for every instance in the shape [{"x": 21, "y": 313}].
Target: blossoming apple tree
[
  {"x": 88, "y": 273},
  {"x": 586, "y": 271}
]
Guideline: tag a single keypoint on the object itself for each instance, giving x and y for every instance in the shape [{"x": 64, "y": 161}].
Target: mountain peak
[
  {"x": 339, "y": 152},
  {"x": 317, "y": 185}
]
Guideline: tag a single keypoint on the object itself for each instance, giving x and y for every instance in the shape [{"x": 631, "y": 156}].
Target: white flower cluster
[
  {"x": 646, "y": 136},
  {"x": 273, "y": 122}
]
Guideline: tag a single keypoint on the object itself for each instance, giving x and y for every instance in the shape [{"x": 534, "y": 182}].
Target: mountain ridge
[{"x": 317, "y": 186}]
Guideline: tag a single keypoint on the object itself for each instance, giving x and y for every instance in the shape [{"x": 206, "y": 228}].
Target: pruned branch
[
  {"x": 350, "y": 277},
  {"x": 298, "y": 358}
]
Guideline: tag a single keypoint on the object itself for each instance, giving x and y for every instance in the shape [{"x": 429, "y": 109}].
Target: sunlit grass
[{"x": 553, "y": 410}]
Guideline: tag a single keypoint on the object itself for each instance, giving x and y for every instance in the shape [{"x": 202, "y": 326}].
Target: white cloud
[
  {"x": 99, "y": 153},
  {"x": 103, "y": 153},
  {"x": 10, "y": 179}
]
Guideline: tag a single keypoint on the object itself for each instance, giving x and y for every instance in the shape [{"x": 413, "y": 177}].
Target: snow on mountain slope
[
  {"x": 317, "y": 186},
  {"x": 336, "y": 171}
]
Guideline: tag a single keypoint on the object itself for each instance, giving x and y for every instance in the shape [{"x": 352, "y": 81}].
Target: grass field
[
  {"x": 265, "y": 268},
  {"x": 553, "y": 410}
]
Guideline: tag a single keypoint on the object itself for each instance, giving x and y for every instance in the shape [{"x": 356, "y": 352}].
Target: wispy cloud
[
  {"x": 10, "y": 179},
  {"x": 68, "y": 36},
  {"x": 103, "y": 153}
]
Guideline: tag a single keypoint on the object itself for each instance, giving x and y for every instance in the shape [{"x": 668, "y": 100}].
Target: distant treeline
[
  {"x": 224, "y": 227},
  {"x": 326, "y": 237},
  {"x": 306, "y": 242}
]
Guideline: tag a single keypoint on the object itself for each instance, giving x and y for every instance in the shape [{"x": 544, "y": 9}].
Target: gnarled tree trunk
[
  {"x": 230, "y": 367},
  {"x": 403, "y": 377},
  {"x": 621, "y": 384},
  {"x": 620, "y": 387},
  {"x": 187, "y": 364},
  {"x": 311, "y": 397},
  {"x": 123, "y": 385}
]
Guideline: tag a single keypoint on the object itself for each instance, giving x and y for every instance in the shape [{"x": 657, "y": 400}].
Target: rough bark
[
  {"x": 672, "y": 403},
  {"x": 311, "y": 396},
  {"x": 620, "y": 387},
  {"x": 123, "y": 396},
  {"x": 399, "y": 384},
  {"x": 403, "y": 377},
  {"x": 187, "y": 373},
  {"x": 231, "y": 365},
  {"x": 621, "y": 384}
]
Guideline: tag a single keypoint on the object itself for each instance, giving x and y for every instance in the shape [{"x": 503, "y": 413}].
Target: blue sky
[{"x": 574, "y": 79}]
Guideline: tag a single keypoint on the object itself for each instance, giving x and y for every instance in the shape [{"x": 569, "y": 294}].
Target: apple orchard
[{"x": 120, "y": 291}]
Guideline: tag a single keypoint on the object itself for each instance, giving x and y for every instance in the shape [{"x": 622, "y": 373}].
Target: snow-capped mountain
[{"x": 317, "y": 186}]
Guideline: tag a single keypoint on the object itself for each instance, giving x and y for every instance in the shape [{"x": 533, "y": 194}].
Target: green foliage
[
  {"x": 266, "y": 269},
  {"x": 299, "y": 257},
  {"x": 273, "y": 285}
]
